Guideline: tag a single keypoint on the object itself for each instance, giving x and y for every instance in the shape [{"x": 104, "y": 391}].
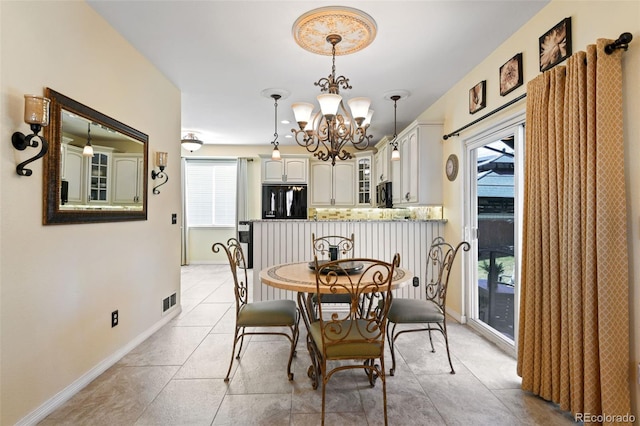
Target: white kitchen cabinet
[
  {"x": 128, "y": 179},
  {"x": 364, "y": 176},
  {"x": 285, "y": 170},
  {"x": 73, "y": 172},
  {"x": 381, "y": 159},
  {"x": 99, "y": 173},
  {"x": 417, "y": 177},
  {"x": 333, "y": 185}
]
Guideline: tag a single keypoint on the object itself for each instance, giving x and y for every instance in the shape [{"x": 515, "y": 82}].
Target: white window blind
[{"x": 211, "y": 192}]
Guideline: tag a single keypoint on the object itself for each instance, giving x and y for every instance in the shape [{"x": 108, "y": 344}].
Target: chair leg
[
  {"x": 391, "y": 339},
  {"x": 324, "y": 388},
  {"x": 314, "y": 369},
  {"x": 384, "y": 389},
  {"x": 446, "y": 343},
  {"x": 233, "y": 349},
  {"x": 241, "y": 343},
  {"x": 297, "y": 333},
  {"x": 431, "y": 340},
  {"x": 294, "y": 341}
]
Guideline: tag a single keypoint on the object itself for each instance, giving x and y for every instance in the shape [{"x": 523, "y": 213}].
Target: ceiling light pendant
[
  {"x": 395, "y": 154},
  {"x": 327, "y": 132},
  {"x": 275, "y": 155},
  {"x": 190, "y": 142},
  {"x": 88, "y": 148}
]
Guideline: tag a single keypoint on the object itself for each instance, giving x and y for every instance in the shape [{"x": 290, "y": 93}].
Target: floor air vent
[{"x": 169, "y": 302}]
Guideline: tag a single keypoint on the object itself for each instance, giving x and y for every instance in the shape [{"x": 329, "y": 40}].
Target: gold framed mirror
[{"x": 106, "y": 185}]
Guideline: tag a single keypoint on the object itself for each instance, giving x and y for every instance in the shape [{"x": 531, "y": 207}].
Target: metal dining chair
[
  {"x": 358, "y": 334},
  {"x": 332, "y": 247},
  {"x": 431, "y": 310},
  {"x": 269, "y": 314}
]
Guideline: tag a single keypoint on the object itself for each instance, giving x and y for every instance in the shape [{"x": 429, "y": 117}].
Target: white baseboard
[
  {"x": 456, "y": 316},
  {"x": 67, "y": 393}
]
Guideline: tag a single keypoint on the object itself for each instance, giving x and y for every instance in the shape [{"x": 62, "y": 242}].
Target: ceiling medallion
[{"x": 356, "y": 29}]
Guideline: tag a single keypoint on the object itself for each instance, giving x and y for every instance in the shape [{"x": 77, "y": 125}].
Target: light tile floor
[{"x": 176, "y": 378}]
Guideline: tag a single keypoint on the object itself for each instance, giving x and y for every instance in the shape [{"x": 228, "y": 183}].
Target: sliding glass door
[{"x": 493, "y": 177}]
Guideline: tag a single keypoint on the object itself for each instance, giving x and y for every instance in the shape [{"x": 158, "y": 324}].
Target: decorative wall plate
[{"x": 451, "y": 167}]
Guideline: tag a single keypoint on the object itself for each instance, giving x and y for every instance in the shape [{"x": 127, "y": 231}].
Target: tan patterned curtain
[{"x": 573, "y": 345}]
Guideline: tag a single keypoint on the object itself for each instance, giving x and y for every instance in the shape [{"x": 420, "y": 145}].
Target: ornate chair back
[
  {"x": 238, "y": 265},
  {"x": 333, "y": 247},
  {"x": 439, "y": 263},
  {"x": 356, "y": 324}
]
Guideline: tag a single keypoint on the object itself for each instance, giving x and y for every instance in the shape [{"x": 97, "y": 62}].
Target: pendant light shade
[
  {"x": 302, "y": 111},
  {"x": 329, "y": 104},
  {"x": 359, "y": 109},
  {"x": 395, "y": 154},
  {"x": 275, "y": 154}
]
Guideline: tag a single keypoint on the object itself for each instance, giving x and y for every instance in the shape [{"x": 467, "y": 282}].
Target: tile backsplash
[{"x": 416, "y": 213}]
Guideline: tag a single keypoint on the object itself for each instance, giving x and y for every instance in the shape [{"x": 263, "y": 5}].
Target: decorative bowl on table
[{"x": 344, "y": 268}]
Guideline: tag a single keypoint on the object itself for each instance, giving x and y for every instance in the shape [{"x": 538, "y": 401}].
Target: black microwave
[{"x": 384, "y": 195}]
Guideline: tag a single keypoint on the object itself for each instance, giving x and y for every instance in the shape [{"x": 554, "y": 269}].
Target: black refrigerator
[{"x": 284, "y": 201}]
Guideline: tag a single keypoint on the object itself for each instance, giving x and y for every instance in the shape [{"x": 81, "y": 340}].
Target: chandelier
[{"x": 327, "y": 132}]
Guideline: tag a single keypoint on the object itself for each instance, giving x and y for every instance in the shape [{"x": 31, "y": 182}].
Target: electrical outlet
[
  {"x": 416, "y": 282},
  {"x": 174, "y": 218},
  {"x": 114, "y": 318}
]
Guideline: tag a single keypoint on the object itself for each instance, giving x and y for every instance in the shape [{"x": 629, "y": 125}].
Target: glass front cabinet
[
  {"x": 99, "y": 177},
  {"x": 363, "y": 179}
]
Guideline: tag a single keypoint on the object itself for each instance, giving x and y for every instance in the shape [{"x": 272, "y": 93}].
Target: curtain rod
[
  {"x": 511, "y": 102},
  {"x": 621, "y": 43}
]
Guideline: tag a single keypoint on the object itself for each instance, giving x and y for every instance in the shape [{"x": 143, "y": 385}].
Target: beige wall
[
  {"x": 590, "y": 20},
  {"x": 59, "y": 284}
]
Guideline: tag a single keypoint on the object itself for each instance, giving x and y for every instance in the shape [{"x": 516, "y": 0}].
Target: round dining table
[{"x": 301, "y": 278}]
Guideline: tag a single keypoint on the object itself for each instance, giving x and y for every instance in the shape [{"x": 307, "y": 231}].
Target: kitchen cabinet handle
[{"x": 406, "y": 197}]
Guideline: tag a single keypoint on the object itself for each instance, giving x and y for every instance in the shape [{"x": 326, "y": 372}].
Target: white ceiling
[{"x": 223, "y": 54}]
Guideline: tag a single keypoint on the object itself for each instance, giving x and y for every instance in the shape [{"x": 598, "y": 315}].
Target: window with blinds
[{"x": 210, "y": 192}]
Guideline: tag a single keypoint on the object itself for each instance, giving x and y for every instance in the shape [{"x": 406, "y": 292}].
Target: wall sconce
[
  {"x": 36, "y": 114},
  {"x": 161, "y": 162}
]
